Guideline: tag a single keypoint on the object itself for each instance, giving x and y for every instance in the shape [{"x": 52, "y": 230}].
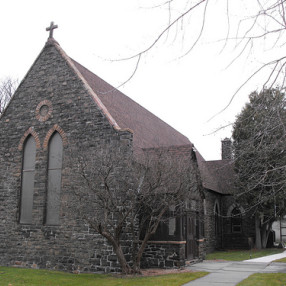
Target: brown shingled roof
[
  {"x": 149, "y": 130},
  {"x": 217, "y": 175}
]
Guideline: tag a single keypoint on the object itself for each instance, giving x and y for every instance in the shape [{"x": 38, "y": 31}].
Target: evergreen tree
[{"x": 259, "y": 136}]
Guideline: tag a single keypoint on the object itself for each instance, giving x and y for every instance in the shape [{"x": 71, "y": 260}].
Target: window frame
[
  {"x": 28, "y": 180},
  {"x": 54, "y": 179},
  {"x": 236, "y": 220}
]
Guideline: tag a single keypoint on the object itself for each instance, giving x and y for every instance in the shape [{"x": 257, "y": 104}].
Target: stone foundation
[{"x": 164, "y": 254}]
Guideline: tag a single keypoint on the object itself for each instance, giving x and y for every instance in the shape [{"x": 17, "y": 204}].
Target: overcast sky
[{"x": 183, "y": 91}]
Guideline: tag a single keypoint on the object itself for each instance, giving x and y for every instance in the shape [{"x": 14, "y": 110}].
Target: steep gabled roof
[
  {"x": 217, "y": 175},
  {"x": 149, "y": 131},
  {"x": 122, "y": 112}
]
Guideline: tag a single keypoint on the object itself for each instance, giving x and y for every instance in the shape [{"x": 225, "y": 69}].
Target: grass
[
  {"x": 10, "y": 276},
  {"x": 282, "y": 260},
  {"x": 239, "y": 255},
  {"x": 265, "y": 279}
]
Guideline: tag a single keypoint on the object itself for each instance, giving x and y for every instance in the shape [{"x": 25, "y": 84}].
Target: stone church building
[{"x": 60, "y": 111}]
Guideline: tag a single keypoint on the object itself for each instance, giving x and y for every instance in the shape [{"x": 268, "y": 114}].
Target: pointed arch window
[
  {"x": 28, "y": 178},
  {"x": 54, "y": 179},
  {"x": 236, "y": 220},
  {"x": 217, "y": 223}
]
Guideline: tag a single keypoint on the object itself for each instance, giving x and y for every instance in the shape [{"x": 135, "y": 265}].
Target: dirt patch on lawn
[{"x": 157, "y": 271}]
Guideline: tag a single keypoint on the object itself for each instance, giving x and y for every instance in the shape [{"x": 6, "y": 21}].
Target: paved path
[
  {"x": 231, "y": 273},
  {"x": 268, "y": 258}
]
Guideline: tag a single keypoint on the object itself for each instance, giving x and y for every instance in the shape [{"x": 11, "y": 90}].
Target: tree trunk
[
  {"x": 264, "y": 237},
  {"x": 152, "y": 229},
  {"x": 126, "y": 269},
  {"x": 257, "y": 232},
  {"x": 137, "y": 261}
]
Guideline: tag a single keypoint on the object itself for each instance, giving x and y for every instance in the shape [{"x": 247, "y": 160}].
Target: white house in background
[{"x": 279, "y": 228}]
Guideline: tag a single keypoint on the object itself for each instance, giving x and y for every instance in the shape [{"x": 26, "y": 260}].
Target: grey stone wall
[
  {"x": 71, "y": 245},
  {"x": 163, "y": 255},
  {"x": 84, "y": 129},
  {"x": 225, "y": 238},
  {"x": 236, "y": 240},
  {"x": 213, "y": 240}
]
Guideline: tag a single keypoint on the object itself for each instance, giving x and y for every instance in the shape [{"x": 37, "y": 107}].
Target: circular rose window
[{"x": 44, "y": 110}]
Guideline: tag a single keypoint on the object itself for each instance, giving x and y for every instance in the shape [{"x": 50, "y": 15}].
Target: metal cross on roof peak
[{"x": 51, "y": 29}]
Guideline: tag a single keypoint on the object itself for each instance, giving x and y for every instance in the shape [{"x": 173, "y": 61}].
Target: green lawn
[
  {"x": 282, "y": 260},
  {"x": 265, "y": 279},
  {"x": 239, "y": 255},
  {"x": 10, "y": 276}
]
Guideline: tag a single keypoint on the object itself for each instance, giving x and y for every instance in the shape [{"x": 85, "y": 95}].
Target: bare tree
[
  {"x": 7, "y": 89},
  {"x": 252, "y": 27},
  {"x": 130, "y": 197}
]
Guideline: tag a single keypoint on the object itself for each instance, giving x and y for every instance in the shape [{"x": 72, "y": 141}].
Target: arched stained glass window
[
  {"x": 54, "y": 179},
  {"x": 28, "y": 178}
]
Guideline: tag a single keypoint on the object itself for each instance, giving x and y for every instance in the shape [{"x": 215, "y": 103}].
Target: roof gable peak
[{"x": 92, "y": 93}]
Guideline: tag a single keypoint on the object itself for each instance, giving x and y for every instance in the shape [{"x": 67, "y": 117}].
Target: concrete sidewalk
[
  {"x": 268, "y": 258},
  {"x": 231, "y": 273}
]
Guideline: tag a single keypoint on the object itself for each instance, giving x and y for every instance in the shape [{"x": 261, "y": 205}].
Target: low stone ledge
[{"x": 166, "y": 242}]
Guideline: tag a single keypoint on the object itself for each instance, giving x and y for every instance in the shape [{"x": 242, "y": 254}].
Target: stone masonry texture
[
  {"x": 73, "y": 113},
  {"x": 53, "y": 98}
]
